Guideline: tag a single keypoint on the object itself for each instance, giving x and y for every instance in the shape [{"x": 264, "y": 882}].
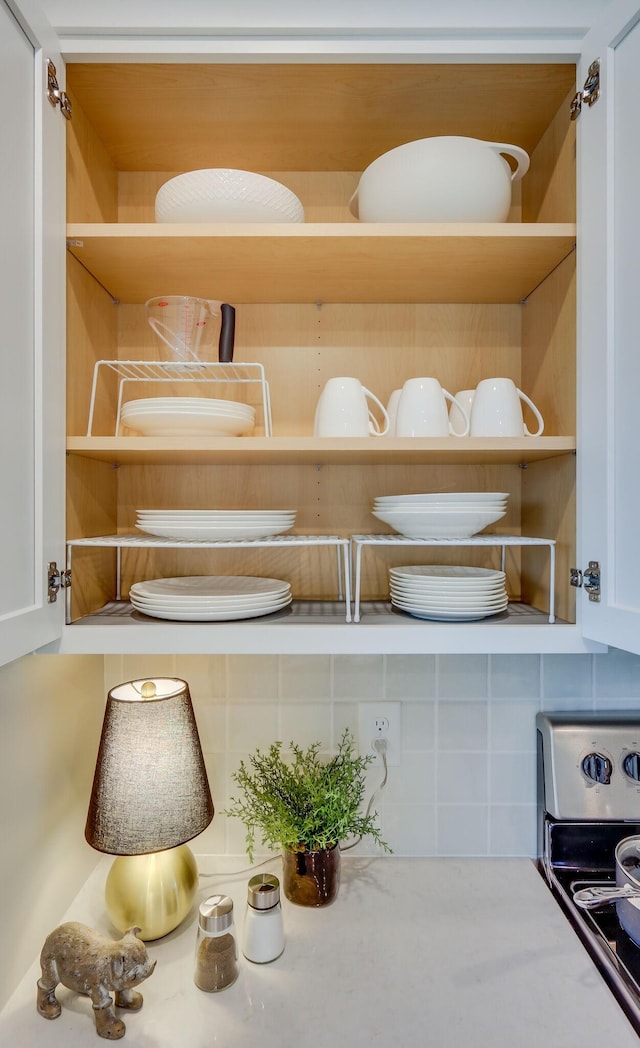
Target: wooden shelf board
[
  {"x": 323, "y": 262},
  {"x": 301, "y": 450}
]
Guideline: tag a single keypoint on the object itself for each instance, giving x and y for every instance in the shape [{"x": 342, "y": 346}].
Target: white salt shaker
[{"x": 263, "y": 930}]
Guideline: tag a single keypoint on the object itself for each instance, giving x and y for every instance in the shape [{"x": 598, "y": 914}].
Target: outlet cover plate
[{"x": 368, "y": 714}]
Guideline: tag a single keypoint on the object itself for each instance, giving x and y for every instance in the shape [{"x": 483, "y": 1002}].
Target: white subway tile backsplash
[
  {"x": 465, "y": 784},
  {"x": 462, "y": 726},
  {"x": 462, "y": 829},
  {"x": 206, "y": 676},
  {"x": 358, "y": 677},
  {"x": 462, "y": 778},
  {"x": 417, "y": 781},
  {"x": 345, "y": 716},
  {"x": 418, "y": 727},
  {"x": 512, "y": 726},
  {"x": 409, "y": 829},
  {"x": 512, "y": 829},
  {"x": 134, "y": 667},
  {"x": 305, "y": 677},
  {"x": 514, "y": 676},
  {"x": 463, "y": 678},
  {"x": 617, "y": 675},
  {"x": 251, "y": 725},
  {"x": 305, "y": 724},
  {"x": 568, "y": 678},
  {"x": 512, "y": 778},
  {"x": 410, "y": 677},
  {"x": 253, "y": 677}
]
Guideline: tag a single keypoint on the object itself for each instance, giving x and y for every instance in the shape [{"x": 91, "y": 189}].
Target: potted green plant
[{"x": 305, "y": 806}]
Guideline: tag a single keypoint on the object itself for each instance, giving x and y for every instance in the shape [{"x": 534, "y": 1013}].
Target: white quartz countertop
[{"x": 454, "y": 953}]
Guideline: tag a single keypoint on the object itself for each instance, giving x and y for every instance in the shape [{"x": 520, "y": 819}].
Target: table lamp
[{"x": 150, "y": 795}]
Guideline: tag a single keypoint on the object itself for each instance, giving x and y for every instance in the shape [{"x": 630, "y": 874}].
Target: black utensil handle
[{"x": 227, "y": 333}]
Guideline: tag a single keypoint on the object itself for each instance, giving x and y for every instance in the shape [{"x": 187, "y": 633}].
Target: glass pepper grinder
[
  {"x": 263, "y": 930},
  {"x": 216, "y": 948}
]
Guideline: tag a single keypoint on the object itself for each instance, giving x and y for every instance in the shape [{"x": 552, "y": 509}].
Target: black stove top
[
  {"x": 588, "y": 801},
  {"x": 616, "y": 955}
]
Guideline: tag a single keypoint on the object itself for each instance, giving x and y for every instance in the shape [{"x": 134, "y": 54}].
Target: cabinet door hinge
[
  {"x": 590, "y": 92},
  {"x": 588, "y": 580},
  {"x": 57, "y": 580},
  {"x": 55, "y": 95}
]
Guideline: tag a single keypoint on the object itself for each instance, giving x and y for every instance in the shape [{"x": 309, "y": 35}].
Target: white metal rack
[
  {"x": 501, "y": 541},
  {"x": 128, "y": 371},
  {"x": 120, "y": 542}
]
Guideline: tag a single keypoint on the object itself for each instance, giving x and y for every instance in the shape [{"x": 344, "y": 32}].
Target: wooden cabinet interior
[{"x": 326, "y": 298}]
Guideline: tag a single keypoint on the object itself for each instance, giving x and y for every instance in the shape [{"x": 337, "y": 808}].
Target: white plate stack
[
  {"x": 448, "y": 593},
  {"x": 455, "y": 514},
  {"x": 210, "y": 598},
  {"x": 188, "y": 417},
  {"x": 215, "y": 525}
]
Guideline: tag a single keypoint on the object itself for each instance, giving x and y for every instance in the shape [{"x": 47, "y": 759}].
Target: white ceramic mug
[
  {"x": 497, "y": 410},
  {"x": 463, "y": 397},
  {"x": 392, "y": 411},
  {"x": 343, "y": 411},
  {"x": 422, "y": 410}
]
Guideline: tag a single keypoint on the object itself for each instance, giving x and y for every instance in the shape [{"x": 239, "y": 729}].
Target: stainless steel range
[{"x": 588, "y": 801}]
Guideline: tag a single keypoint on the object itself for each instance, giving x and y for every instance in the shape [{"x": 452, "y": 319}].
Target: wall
[
  {"x": 466, "y": 781},
  {"x": 332, "y": 16},
  {"x": 51, "y": 709}
]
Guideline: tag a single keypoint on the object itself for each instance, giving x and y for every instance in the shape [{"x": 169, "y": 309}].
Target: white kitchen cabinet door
[
  {"x": 609, "y": 356},
  {"x": 32, "y": 297}
]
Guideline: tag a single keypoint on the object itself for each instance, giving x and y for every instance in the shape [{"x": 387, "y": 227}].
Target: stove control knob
[
  {"x": 631, "y": 766},
  {"x": 597, "y": 768}
]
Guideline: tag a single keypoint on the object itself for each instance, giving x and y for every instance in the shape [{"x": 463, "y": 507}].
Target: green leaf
[{"x": 303, "y": 803}]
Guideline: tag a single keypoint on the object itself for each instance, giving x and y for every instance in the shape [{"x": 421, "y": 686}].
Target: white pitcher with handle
[
  {"x": 343, "y": 411},
  {"x": 497, "y": 410},
  {"x": 422, "y": 410}
]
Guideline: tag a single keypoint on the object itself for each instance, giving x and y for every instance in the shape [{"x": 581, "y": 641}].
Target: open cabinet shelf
[
  {"x": 501, "y": 262},
  {"x": 326, "y": 297},
  {"x": 314, "y": 450}
]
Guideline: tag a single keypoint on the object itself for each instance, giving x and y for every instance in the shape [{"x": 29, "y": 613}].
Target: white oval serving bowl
[{"x": 225, "y": 194}]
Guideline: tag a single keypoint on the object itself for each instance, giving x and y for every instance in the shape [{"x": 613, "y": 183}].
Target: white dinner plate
[
  {"x": 188, "y": 425},
  {"x": 439, "y": 508},
  {"x": 183, "y": 404},
  {"x": 212, "y": 518},
  {"x": 447, "y": 496},
  {"x": 230, "y": 604},
  {"x": 210, "y": 586},
  {"x": 442, "y": 589},
  {"x": 215, "y": 533},
  {"x": 212, "y": 616},
  {"x": 451, "y": 572},
  {"x": 197, "y": 514},
  {"x": 450, "y": 616},
  {"x": 448, "y": 602},
  {"x": 210, "y": 603}
]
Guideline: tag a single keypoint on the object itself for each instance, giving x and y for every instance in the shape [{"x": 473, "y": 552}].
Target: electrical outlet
[{"x": 380, "y": 720}]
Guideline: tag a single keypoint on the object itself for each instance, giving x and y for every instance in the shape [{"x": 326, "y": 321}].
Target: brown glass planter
[{"x": 311, "y": 878}]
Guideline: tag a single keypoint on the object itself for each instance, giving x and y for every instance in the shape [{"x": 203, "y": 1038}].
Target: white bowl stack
[
  {"x": 188, "y": 417},
  {"x": 215, "y": 525},
  {"x": 448, "y": 593},
  {"x": 226, "y": 194},
  {"x": 459, "y": 514},
  {"x": 210, "y": 598}
]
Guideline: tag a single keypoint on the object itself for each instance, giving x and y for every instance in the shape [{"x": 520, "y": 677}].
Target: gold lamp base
[{"x": 153, "y": 892}]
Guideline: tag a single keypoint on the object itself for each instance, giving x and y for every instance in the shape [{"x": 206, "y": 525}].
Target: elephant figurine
[{"x": 88, "y": 962}]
